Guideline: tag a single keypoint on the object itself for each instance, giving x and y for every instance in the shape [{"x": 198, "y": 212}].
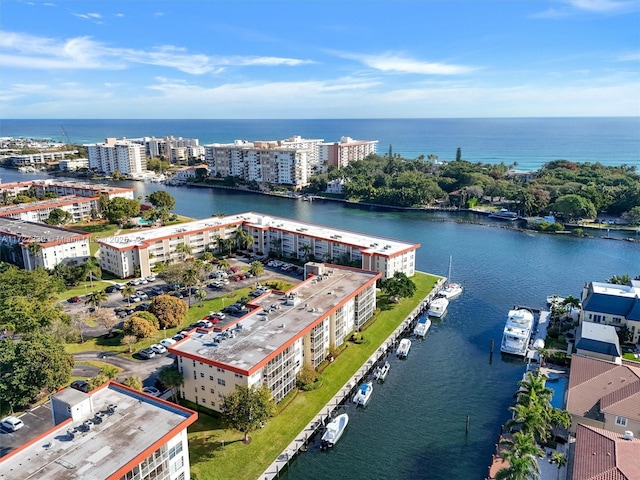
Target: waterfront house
[
  {"x": 278, "y": 335},
  {"x": 600, "y": 455},
  {"x": 612, "y": 304},
  {"x": 598, "y": 341},
  {"x": 604, "y": 394}
]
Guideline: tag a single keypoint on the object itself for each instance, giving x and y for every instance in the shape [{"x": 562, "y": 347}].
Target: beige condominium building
[
  {"x": 63, "y": 188},
  {"x": 278, "y": 335},
  {"x": 123, "y": 255},
  {"x": 113, "y": 433},
  {"x": 30, "y": 245}
]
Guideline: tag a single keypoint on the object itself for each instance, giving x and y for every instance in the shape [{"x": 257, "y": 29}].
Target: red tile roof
[{"x": 604, "y": 455}]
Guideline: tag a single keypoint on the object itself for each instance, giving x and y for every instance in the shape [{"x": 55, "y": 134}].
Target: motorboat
[
  {"x": 403, "y": 348},
  {"x": 517, "y": 332},
  {"x": 334, "y": 431},
  {"x": 422, "y": 327},
  {"x": 438, "y": 307},
  {"x": 381, "y": 371},
  {"x": 504, "y": 214},
  {"x": 451, "y": 290},
  {"x": 554, "y": 300},
  {"x": 363, "y": 395}
]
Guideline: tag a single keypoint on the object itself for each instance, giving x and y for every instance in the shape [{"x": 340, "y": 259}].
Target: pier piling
[
  {"x": 466, "y": 428},
  {"x": 491, "y": 352}
]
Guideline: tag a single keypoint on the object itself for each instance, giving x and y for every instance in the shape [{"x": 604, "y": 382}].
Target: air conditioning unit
[{"x": 628, "y": 435}]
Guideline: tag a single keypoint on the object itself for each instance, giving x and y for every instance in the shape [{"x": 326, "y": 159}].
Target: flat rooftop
[
  {"x": 49, "y": 203},
  {"x": 38, "y": 232},
  {"x": 371, "y": 244},
  {"x": 628, "y": 291},
  {"x": 137, "y": 423},
  {"x": 101, "y": 187},
  {"x": 275, "y": 319}
]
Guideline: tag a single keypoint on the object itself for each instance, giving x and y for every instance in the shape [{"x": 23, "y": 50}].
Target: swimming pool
[{"x": 558, "y": 386}]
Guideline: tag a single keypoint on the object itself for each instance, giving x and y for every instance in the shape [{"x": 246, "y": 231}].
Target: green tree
[
  {"x": 399, "y": 286},
  {"x": 573, "y": 206},
  {"x": 162, "y": 200},
  {"x": 121, "y": 209},
  {"x": 633, "y": 215},
  {"x": 59, "y": 217},
  {"x": 34, "y": 364},
  {"x": 256, "y": 269},
  {"x": 171, "y": 378},
  {"x": 91, "y": 270},
  {"x": 620, "y": 279},
  {"x": 97, "y": 298},
  {"x": 128, "y": 292},
  {"x": 169, "y": 310},
  {"x": 184, "y": 250},
  {"x": 246, "y": 408}
]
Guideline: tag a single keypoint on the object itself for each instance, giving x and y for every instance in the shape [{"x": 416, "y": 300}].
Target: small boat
[
  {"x": 554, "y": 300},
  {"x": 504, "y": 214},
  {"x": 363, "y": 395},
  {"x": 403, "y": 348},
  {"x": 381, "y": 371},
  {"x": 334, "y": 431},
  {"x": 438, "y": 307},
  {"x": 422, "y": 327},
  {"x": 451, "y": 290}
]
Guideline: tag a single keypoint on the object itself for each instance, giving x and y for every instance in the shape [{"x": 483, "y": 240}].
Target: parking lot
[{"x": 36, "y": 422}]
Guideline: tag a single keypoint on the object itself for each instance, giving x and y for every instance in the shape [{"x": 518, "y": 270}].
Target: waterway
[{"x": 414, "y": 426}]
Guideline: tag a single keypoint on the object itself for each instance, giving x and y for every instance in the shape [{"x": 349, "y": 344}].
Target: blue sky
[{"x": 319, "y": 58}]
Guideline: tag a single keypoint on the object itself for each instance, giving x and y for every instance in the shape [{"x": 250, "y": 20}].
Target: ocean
[{"x": 527, "y": 142}]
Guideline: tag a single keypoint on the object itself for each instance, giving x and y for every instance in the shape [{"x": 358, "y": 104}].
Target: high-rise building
[
  {"x": 347, "y": 150},
  {"x": 123, "y": 156}
]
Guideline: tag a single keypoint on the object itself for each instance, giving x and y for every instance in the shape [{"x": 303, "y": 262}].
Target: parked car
[
  {"x": 151, "y": 391},
  {"x": 219, "y": 315},
  {"x": 12, "y": 424},
  {"x": 142, "y": 295},
  {"x": 110, "y": 289},
  {"x": 159, "y": 349},
  {"x": 80, "y": 385},
  {"x": 167, "y": 342},
  {"x": 204, "y": 324},
  {"x": 147, "y": 353},
  {"x": 75, "y": 299},
  {"x": 150, "y": 278}
]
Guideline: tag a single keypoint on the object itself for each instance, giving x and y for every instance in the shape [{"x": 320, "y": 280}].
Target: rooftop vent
[{"x": 628, "y": 435}]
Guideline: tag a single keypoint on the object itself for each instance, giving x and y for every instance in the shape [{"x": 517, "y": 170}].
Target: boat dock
[{"x": 324, "y": 416}]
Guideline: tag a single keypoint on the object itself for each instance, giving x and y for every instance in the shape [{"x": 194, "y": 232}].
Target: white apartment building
[
  {"x": 38, "y": 160},
  {"x": 112, "y": 433},
  {"x": 281, "y": 237},
  {"x": 55, "y": 245},
  {"x": 161, "y": 147},
  {"x": 113, "y": 155},
  {"x": 282, "y": 333},
  {"x": 612, "y": 304},
  {"x": 347, "y": 150},
  {"x": 73, "y": 164},
  {"x": 80, "y": 208}
]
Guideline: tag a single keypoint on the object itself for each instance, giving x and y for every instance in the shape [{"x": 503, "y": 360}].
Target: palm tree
[
  {"x": 91, "y": 269},
  {"x": 34, "y": 249},
  {"x": 521, "y": 456},
  {"x": 96, "y": 298},
  {"x": 224, "y": 264},
  {"x": 201, "y": 295},
  {"x": 306, "y": 250},
  {"x": 128, "y": 292},
  {"x": 536, "y": 382},
  {"x": 523, "y": 444},
  {"x": 560, "y": 460},
  {"x": 184, "y": 249},
  {"x": 256, "y": 269},
  {"x": 191, "y": 277},
  {"x": 532, "y": 419},
  {"x": 171, "y": 378}
]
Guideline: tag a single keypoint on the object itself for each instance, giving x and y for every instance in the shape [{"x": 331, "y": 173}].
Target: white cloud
[
  {"x": 394, "y": 62},
  {"x": 31, "y": 52},
  {"x": 603, "y": 6}
]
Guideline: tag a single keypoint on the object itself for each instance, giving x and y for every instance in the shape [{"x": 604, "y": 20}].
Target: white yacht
[
  {"x": 438, "y": 307},
  {"x": 403, "y": 348},
  {"x": 422, "y": 327},
  {"x": 517, "y": 332},
  {"x": 334, "y": 431},
  {"x": 363, "y": 395}
]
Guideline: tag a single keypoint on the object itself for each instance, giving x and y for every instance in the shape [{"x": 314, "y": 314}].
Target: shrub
[
  {"x": 169, "y": 310},
  {"x": 139, "y": 327}
]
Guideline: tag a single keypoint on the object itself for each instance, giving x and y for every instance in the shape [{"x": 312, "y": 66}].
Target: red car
[{"x": 74, "y": 300}]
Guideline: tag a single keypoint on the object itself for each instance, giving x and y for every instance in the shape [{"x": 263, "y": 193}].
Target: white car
[
  {"x": 142, "y": 295},
  {"x": 159, "y": 349},
  {"x": 151, "y": 391},
  {"x": 12, "y": 424},
  {"x": 150, "y": 278},
  {"x": 167, "y": 342}
]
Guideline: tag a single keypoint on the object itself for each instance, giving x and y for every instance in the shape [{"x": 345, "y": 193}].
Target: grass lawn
[{"x": 210, "y": 461}]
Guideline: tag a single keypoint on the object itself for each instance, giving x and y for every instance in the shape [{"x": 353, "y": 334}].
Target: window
[
  {"x": 211, "y": 377},
  {"x": 212, "y": 390},
  {"x": 622, "y": 421},
  {"x": 201, "y": 375},
  {"x": 202, "y": 387},
  {"x": 221, "y": 382}
]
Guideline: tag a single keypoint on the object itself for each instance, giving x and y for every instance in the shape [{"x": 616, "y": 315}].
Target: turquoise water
[
  {"x": 558, "y": 386},
  {"x": 530, "y": 142}
]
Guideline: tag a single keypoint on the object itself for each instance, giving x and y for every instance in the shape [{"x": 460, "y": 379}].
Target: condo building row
[
  {"x": 125, "y": 254},
  {"x": 289, "y": 162}
]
